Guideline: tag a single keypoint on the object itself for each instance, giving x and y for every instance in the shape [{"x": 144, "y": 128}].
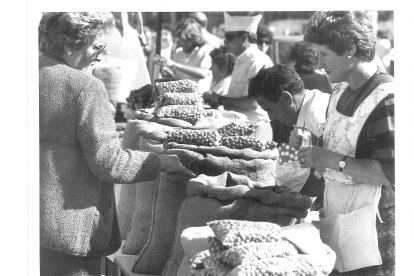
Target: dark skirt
[
  {"x": 53, "y": 263},
  {"x": 386, "y": 244}
]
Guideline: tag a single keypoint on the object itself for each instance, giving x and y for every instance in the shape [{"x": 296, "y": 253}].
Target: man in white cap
[{"x": 240, "y": 39}]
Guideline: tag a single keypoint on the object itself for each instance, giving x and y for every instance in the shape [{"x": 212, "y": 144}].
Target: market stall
[{"x": 235, "y": 178}]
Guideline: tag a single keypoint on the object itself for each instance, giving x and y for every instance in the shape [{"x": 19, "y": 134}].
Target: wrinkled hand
[
  {"x": 316, "y": 157},
  {"x": 172, "y": 164}
]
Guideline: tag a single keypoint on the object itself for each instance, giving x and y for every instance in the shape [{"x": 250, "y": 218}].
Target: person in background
[
  {"x": 303, "y": 58},
  {"x": 240, "y": 39},
  {"x": 221, "y": 68},
  {"x": 209, "y": 38},
  {"x": 167, "y": 47},
  {"x": 281, "y": 92},
  {"x": 219, "y": 31},
  {"x": 80, "y": 153},
  {"x": 357, "y": 150},
  {"x": 384, "y": 49},
  {"x": 124, "y": 66},
  {"x": 264, "y": 38},
  {"x": 191, "y": 59}
]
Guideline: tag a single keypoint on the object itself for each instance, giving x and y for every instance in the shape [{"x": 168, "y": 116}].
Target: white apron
[{"x": 348, "y": 216}]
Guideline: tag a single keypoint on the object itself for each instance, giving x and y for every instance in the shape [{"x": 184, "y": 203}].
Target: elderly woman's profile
[{"x": 80, "y": 152}]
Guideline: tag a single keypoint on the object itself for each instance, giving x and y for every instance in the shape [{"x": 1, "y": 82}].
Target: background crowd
[{"x": 187, "y": 39}]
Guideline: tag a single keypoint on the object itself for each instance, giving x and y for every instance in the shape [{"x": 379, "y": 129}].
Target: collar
[
  {"x": 247, "y": 53},
  {"x": 308, "y": 95}
]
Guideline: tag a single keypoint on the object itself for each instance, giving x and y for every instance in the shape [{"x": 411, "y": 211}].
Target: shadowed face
[
  {"x": 280, "y": 111},
  {"x": 235, "y": 43}
]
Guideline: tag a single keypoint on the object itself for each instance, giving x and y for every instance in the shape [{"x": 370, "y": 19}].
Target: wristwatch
[{"x": 342, "y": 163}]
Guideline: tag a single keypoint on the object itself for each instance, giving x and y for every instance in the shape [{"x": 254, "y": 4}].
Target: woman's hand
[
  {"x": 169, "y": 62},
  {"x": 300, "y": 136},
  {"x": 164, "y": 61},
  {"x": 317, "y": 157},
  {"x": 172, "y": 164}
]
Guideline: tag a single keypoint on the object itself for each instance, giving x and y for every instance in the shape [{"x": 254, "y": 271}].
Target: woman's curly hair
[
  {"x": 305, "y": 56},
  {"x": 223, "y": 59},
  {"x": 339, "y": 30},
  {"x": 73, "y": 29},
  {"x": 190, "y": 29}
]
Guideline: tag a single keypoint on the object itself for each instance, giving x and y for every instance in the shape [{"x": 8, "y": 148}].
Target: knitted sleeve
[{"x": 100, "y": 142}]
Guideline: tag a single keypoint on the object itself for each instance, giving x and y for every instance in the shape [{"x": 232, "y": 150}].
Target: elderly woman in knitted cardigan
[{"x": 80, "y": 153}]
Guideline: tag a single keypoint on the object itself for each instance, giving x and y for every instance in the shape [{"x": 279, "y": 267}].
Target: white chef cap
[{"x": 241, "y": 23}]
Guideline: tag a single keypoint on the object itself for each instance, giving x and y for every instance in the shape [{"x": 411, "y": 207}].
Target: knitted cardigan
[{"x": 80, "y": 159}]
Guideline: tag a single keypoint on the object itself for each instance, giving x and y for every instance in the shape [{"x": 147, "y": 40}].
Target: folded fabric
[
  {"x": 184, "y": 267},
  {"x": 305, "y": 236},
  {"x": 194, "y": 239},
  {"x": 228, "y": 186},
  {"x": 261, "y": 170}
]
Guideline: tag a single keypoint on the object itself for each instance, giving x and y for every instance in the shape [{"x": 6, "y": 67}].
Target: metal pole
[
  {"x": 157, "y": 66},
  {"x": 159, "y": 31}
]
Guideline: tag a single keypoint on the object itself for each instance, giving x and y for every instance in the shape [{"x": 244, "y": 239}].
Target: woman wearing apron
[{"x": 356, "y": 152}]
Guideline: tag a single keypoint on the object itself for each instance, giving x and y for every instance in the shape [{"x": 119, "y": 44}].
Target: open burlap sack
[
  {"x": 130, "y": 195},
  {"x": 197, "y": 211},
  {"x": 212, "y": 161},
  {"x": 230, "y": 196},
  {"x": 229, "y": 186}
]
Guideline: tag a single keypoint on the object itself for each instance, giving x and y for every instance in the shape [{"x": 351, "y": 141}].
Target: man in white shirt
[
  {"x": 280, "y": 91},
  {"x": 240, "y": 39}
]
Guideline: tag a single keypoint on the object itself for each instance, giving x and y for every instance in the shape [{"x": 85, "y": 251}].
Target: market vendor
[
  {"x": 357, "y": 153},
  {"x": 240, "y": 39},
  {"x": 280, "y": 91},
  {"x": 80, "y": 153}
]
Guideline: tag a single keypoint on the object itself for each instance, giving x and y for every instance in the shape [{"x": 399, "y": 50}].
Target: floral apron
[{"x": 348, "y": 216}]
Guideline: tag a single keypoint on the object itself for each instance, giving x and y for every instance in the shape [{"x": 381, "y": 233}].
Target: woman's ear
[{"x": 351, "y": 51}]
